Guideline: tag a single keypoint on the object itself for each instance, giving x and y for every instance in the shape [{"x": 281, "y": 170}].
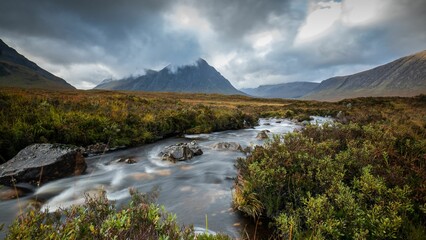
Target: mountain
[
  {"x": 403, "y": 77},
  {"x": 199, "y": 77},
  {"x": 18, "y": 71},
  {"x": 283, "y": 90}
]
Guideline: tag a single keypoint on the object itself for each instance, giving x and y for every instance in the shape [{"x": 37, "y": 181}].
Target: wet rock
[
  {"x": 232, "y": 146},
  {"x": 126, "y": 160},
  {"x": 7, "y": 193},
  {"x": 39, "y": 163},
  {"x": 278, "y": 121},
  {"x": 96, "y": 148},
  {"x": 262, "y": 134},
  {"x": 181, "y": 151},
  {"x": 305, "y": 122},
  {"x": 196, "y": 150},
  {"x": 266, "y": 124}
]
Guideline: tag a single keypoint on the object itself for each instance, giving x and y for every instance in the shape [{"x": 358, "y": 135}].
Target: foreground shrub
[
  {"x": 340, "y": 181},
  {"x": 99, "y": 218}
]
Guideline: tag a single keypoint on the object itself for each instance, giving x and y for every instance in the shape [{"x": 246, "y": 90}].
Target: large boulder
[
  {"x": 39, "y": 163},
  {"x": 181, "y": 151},
  {"x": 232, "y": 146}
]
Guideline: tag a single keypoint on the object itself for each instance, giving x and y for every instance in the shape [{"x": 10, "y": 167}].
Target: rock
[
  {"x": 305, "y": 122},
  {"x": 96, "y": 148},
  {"x": 181, "y": 151},
  {"x": 266, "y": 124},
  {"x": 233, "y": 146},
  {"x": 278, "y": 121},
  {"x": 126, "y": 160},
  {"x": 39, "y": 163},
  {"x": 7, "y": 193},
  {"x": 193, "y": 146},
  {"x": 262, "y": 134}
]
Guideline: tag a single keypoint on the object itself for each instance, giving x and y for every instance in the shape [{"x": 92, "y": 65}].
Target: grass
[{"x": 363, "y": 177}]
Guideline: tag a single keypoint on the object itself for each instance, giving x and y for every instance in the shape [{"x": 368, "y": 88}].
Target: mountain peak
[
  {"x": 196, "y": 77},
  {"x": 173, "y": 68}
]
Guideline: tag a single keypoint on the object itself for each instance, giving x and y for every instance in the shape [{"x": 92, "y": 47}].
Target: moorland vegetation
[{"x": 361, "y": 177}]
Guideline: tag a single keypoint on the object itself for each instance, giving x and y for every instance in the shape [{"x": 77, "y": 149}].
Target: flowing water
[{"x": 191, "y": 189}]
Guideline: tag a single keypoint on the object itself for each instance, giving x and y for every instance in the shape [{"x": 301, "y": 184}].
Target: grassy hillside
[{"x": 13, "y": 75}]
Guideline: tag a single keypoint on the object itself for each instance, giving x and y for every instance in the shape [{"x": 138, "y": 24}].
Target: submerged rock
[
  {"x": 262, "y": 134},
  {"x": 7, "y": 193},
  {"x": 233, "y": 146},
  {"x": 39, "y": 163},
  {"x": 181, "y": 151}
]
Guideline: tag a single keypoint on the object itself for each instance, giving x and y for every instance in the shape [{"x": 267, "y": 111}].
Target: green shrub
[{"x": 99, "y": 218}]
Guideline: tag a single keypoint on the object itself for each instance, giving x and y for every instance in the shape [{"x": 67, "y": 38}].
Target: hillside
[
  {"x": 403, "y": 77},
  {"x": 17, "y": 71},
  {"x": 284, "y": 90},
  {"x": 199, "y": 77}
]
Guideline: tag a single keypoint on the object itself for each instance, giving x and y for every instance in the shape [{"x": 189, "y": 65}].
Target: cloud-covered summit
[{"x": 250, "y": 42}]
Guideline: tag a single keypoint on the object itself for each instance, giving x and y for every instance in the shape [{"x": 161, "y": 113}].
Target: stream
[{"x": 191, "y": 189}]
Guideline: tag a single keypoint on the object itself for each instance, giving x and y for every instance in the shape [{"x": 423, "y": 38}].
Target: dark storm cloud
[
  {"x": 123, "y": 34},
  {"x": 251, "y": 41}
]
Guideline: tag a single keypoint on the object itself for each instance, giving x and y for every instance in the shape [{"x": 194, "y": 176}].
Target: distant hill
[
  {"x": 403, "y": 77},
  {"x": 199, "y": 77},
  {"x": 283, "y": 90},
  {"x": 18, "y": 71}
]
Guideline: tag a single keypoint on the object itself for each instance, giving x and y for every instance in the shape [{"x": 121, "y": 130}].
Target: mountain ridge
[
  {"x": 291, "y": 90},
  {"x": 18, "y": 71},
  {"x": 405, "y": 76},
  {"x": 194, "y": 78}
]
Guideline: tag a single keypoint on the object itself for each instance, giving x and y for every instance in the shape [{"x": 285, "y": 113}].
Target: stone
[
  {"x": 96, "y": 148},
  {"x": 181, "y": 151},
  {"x": 232, "y": 146},
  {"x": 7, "y": 193},
  {"x": 126, "y": 160},
  {"x": 40, "y": 163},
  {"x": 262, "y": 134}
]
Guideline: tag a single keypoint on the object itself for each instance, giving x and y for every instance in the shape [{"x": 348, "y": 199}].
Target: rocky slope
[
  {"x": 17, "y": 71},
  {"x": 403, "y": 77}
]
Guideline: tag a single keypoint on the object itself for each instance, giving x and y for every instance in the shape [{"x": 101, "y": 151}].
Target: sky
[{"x": 250, "y": 42}]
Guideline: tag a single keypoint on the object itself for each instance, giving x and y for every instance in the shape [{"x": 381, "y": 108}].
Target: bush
[
  {"x": 335, "y": 181},
  {"x": 99, "y": 218}
]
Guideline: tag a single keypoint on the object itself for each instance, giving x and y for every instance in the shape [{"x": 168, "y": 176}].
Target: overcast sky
[{"x": 251, "y": 42}]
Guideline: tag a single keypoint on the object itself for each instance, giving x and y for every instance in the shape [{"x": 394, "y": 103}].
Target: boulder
[
  {"x": 181, "y": 151},
  {"x": 262, "y": 134},
  {"x": 233, "y": 146},
  {"x": 39, "y": 163}
]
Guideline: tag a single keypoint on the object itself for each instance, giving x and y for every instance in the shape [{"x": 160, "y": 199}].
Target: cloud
[{"x": 250, "y": 42}]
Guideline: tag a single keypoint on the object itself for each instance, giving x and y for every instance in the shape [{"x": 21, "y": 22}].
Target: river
[{"x": 191, "y": 189}]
